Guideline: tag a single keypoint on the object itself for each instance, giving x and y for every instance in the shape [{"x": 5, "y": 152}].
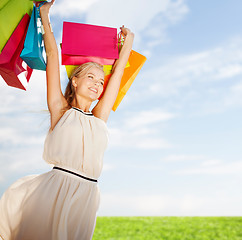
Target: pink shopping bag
[
  {"x": 84, "y": 43},
  {"x": 14, "y": 71}
]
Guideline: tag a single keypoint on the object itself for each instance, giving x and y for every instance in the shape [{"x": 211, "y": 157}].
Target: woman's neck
[{"x": 82, "y": 104}]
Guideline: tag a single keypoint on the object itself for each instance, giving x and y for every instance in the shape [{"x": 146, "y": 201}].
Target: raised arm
[
  {"x": 55, "y": 98},
  {"x": 105, "y": 104}
]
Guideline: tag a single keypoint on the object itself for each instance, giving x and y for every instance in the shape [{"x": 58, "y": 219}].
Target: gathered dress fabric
[{"x": 58, "y": 205}]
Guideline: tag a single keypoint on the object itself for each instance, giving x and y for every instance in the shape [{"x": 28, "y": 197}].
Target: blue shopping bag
[{"x": 32, "y": 53}]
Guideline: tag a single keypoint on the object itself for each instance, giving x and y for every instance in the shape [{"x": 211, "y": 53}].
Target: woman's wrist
[
  {"x": 130, "y": 35},
  {"x": 129, "y": 38},
  {"x": 44, "y": 14},
  {"x": 45, "y": 22}
]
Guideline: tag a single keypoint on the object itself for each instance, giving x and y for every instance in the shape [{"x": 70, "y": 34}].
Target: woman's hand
[
  {"x": 125, "y": 31},
  {"x": 45, "y": 8},
  {"x": 123, "y": 36}
]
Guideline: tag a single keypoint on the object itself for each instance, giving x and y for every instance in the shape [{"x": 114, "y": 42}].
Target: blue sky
[{"x": 175, "y": 140}]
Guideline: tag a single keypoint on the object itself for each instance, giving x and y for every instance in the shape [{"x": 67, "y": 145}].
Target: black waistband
[{"x": 68, "y": 171}]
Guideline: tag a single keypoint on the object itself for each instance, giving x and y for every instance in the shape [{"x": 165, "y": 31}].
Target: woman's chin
[{"x": 93, "y": 97}]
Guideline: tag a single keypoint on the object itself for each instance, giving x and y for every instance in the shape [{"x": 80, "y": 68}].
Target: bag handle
[
  {"x": 40, "y": 5},
  {"x": 38, "y": 10},
  {"x": 120, "y": 40}
]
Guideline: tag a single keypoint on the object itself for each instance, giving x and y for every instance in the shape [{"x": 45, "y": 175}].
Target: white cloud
[
  {"x": 1, "y": 179},
  {"x": 140, "y": 130},
  {"x": 169, "y": 205},
  {"x": 233, "y": 96},
  {"x": 17, "y": 162},
  {"x": 213, "y": 168},
  {"x": 203, "y": 165},
  {"x": 205, "y": 161},
  {"x": 176, "y": 10},
  {"x": 13, "y": 136},
  {"x": 28, "y": 100},
  {"x": 107, "y": 12},
  {"x": 213, "y": 64},
  {"x": 211, "y": 162},
  {"x": 229, "y": 71},
  {"x": 8, "y": 134},
  {"x": 153, "y": 143},
  {"x": 142, "y": 139},
  {"x": 108, "y": 167},
  {"x": 204, "y": 67},
  {"x": 144, "y": 118},
  {"x": 155, "y": 32},
  {"x": 204, "y": 82},
  {"x": 71, "y": 8},
  {"x": 125, "y": 204},
  {"x": 183, "y": 157}
]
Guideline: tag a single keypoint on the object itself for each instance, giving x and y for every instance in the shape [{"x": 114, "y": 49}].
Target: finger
[
  {"x": 40, "y": 3},
  {"x": 37, "y": 3}
]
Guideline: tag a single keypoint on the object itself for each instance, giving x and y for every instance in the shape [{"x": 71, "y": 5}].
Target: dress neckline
[{"x": 86, "y": 113}]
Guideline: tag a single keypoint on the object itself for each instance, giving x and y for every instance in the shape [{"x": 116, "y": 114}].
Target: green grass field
[{"x": 168, "y": 228}]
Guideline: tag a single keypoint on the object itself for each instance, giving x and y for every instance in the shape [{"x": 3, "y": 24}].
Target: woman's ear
[{"x": 74, "y": 82}]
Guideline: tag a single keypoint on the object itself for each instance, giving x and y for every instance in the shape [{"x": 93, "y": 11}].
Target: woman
[{"x": 62, "y": 204}]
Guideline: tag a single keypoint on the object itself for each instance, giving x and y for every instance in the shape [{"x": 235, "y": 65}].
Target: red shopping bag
[
  {"x": 14, "y": 71},
  {"x": 88, "y": 43}
]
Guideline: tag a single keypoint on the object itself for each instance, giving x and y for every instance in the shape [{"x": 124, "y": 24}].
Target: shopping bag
[
  {"x": 79, "y": 60},
  {"x": 14, "y": 71},
  {"x": 32, "y": 53},
  {"x": 4, "y": 2},
  {"x": 11, "y": 13},
  {"x": 136, "y": 61},
  {"x": 106, "y": 68},
  {"x": 83, "y": 43}
]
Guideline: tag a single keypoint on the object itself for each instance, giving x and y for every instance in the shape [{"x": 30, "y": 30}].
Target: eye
[
  {"x": 102, "y": 83},
  {"x": 90, "y": 76}
]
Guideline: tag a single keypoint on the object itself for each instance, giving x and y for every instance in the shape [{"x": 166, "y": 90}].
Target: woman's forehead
[{"x": 95, "y": 71}]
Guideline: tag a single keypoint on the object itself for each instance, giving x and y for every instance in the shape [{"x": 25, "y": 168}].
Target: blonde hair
[{"x": 80, "y": 71}]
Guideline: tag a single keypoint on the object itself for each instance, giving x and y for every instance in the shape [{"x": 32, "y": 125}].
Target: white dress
[{"x": 58, "y": 205}]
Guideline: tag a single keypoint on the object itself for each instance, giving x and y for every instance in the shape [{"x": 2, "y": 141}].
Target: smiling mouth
[{"x": 93, "y": 90}]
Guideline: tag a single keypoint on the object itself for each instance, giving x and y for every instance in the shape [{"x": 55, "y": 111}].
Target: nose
[{"x": 97, "y": 83}]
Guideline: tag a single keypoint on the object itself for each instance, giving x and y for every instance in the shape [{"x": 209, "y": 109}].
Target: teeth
[{"x": 94, "y": 90}]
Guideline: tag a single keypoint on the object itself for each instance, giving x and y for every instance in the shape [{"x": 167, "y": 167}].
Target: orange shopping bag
[{"x": 136, "y": 62}]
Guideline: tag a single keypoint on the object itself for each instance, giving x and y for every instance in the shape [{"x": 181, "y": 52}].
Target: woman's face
[{"x": 90, "y": 85}]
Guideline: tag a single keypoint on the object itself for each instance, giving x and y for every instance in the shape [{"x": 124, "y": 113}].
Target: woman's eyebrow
[
  {"x": 91, "y": 73},
  {"x": 95, "y": 76}
]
